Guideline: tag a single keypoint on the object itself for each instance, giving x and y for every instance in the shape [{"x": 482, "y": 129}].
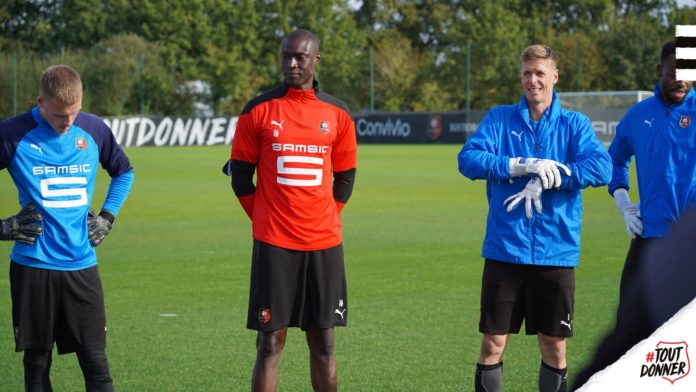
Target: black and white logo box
[{"x": 686, "y": 52}]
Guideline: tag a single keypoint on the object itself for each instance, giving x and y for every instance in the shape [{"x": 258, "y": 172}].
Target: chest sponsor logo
[
  {"x": 684, "y": 121},
  {"x": 68, "y": 169},
  {"x": 300, "y": 148}
]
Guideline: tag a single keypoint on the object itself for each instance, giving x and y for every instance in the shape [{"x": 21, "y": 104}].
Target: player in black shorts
[
  {"x": 53, "y": 153},
  {"x": 300, "y": 143},
  {"x": 536, "y": 154}
]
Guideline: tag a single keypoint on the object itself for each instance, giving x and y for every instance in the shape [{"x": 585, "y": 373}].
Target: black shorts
[
  {"x": 291, "y": 288},
  {"x": 65, "y": 307},
  {"x": 541, "y": 296}
]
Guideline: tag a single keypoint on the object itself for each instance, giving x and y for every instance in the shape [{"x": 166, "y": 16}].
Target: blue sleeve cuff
[{"x": 118, "y": 192}]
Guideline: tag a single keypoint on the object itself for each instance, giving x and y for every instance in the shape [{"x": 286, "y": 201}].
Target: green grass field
[{"x": 412, "y": 233}]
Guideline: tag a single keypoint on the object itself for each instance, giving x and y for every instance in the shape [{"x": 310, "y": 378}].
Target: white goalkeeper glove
[
  {"x": 530, "y": 194},
  {"x": 629, "y": 212},
  {"x": 546, "y": 169}
]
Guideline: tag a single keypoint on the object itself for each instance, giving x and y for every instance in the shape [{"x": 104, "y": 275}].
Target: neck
[{"x": 537, "y": 110}]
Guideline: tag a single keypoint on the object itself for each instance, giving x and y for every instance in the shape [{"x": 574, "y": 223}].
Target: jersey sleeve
[
  {"x": 345, "y": 149},
  {"x": 111, "y": 155},
  {"x": 246, "y": 143},
  {"x": 11, "y": 132},
  {"x": 119, "y": 188}
]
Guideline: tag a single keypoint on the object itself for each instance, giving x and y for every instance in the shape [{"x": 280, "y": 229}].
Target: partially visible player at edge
[
  {"x": 296, "y": 138},
  {"x": 661, "y": 133},
  {"x": 538, "y": 153},
  {"x": 53, "y": 153}
]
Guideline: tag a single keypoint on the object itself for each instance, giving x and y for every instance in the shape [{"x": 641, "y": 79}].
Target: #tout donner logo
[{"x": 669, "y": 361}]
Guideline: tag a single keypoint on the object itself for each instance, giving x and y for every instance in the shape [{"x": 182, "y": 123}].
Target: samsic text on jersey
[{"x": 296, "y": 139}]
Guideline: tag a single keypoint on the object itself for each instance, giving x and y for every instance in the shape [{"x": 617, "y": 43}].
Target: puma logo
[
  {"x": 519, "y": 135},
  {"x": 568, "y": 323},
  {"x": 34, "y": 146},
  {"x": 649, "y": 122},
  {"x": 278, "y": 124},
  {"x": 340, "y": 312}
]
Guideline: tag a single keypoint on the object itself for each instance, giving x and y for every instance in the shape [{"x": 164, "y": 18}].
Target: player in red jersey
[{"x": 301, "y": 144}]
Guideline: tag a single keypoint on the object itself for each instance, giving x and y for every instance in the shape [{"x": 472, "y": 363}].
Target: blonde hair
[
  {"x": 62, "y": 83},
  {"x": 538, "y": 52}
]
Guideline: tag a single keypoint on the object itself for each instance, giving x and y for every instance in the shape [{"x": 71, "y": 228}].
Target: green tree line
[{"x": 140, "y": 56}]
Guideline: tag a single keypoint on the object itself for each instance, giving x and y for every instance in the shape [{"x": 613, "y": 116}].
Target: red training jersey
[{"x": 296, "y": 139}]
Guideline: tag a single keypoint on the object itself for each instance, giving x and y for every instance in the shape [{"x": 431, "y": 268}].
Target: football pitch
[{"x": 175, "y": 271}]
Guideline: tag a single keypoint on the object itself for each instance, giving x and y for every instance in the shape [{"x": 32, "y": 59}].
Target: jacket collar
[{"x": 551, "y": 113}]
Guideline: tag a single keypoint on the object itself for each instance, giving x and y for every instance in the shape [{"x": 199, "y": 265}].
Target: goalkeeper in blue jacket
[{"x": 539, "y": 155}]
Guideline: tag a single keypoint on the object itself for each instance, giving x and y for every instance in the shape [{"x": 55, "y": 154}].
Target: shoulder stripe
[
  {"x": 331, "y": 100},
  {"x": 275, "y": 93},
  {"x": 11, "y": 132}
]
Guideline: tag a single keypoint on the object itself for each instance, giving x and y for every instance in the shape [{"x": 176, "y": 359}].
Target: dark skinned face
[
  {"x": 672, "y": 90},
  {"x": 298, "y": 59}
]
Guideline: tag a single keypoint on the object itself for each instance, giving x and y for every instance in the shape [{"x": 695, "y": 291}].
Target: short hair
[
  {"x": 304, "y": 34},
  {"x": 538, "y": 52},
  {"x": 62, "y": 83},
  {"x": 668, "y": 49}
]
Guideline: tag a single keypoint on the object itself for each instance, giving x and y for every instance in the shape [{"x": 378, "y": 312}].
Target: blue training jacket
[
  {"x": 662, "y": 137},
  {"x": 56, "y": 173},
  {"x": 551, "y": 238}
]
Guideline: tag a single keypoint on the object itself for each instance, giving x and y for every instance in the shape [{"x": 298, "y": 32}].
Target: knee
[
  {"x": 269, "y": 344},
  {"x": 323, "y": 348},
  {"x": 493, "y": 346},
  {"x": 553, "y": 351},
  {"x": 321, "y": 342},
  {"x": 37, "y": 359},
  {"x": 95, "y": 366}
]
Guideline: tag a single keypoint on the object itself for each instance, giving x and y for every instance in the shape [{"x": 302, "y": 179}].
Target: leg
[
  {"x": 502, "y": 312},
  {"x": 269, "y": 346},
  {"x": 95, "y": 368},
  {"x": 322, "y": 362},
  {"x": 492, "y": 348},
  {"x": 629, "y": 275},
  {"x": 553, "y": 373},
  {"x": 489, "y": 369},
  {"x": 553, "y": 350},
  {"x": 37, "y": 366}
]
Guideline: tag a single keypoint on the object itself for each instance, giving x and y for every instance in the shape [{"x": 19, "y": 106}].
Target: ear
[
  {"x": 318, "y": 57},
  {"x": 39, "y": 100},
  {"x": 555, "y": 76}
]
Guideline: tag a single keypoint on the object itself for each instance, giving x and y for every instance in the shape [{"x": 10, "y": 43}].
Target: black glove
[
  {"x": 23, "y": 227},
  {"x": 99, "y": 226}
]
